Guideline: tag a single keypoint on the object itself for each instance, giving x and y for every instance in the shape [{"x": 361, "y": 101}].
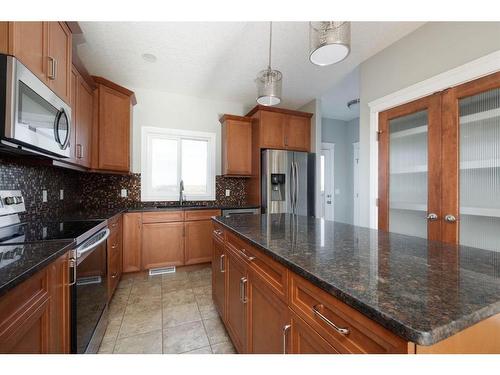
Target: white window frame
[{"x": 148, "y": 133}]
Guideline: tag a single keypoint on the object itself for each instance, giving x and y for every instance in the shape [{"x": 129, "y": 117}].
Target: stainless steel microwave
[{"x": 35, "y": 118}]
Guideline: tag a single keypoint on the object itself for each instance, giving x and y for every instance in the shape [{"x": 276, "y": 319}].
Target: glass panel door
[
  {"x": 479, "y": 132},
  {"x": 408, "y": 177}
]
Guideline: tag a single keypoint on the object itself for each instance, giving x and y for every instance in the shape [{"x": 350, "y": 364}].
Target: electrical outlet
[
  {"x": 44, "y": 196},
  {"x": 228, "y": 192},
  {"x": 124, "y": 193},
  {"x": 61, "y": 194}
]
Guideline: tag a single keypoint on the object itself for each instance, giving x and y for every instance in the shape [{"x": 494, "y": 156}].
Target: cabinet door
[
  {"x": 298, "y": 133},
  {"x": 84, "y": 115},
  {"x": 267, "y": 320},
  {"x": 237, "y": 148},
  {"x": 29, "y": 45},
  {"x": 114, "y": 130},
  {"x": 74, "y": 121},
  {"x": 60, "y": 336},
  {"x": 218, "y": 277},
  {"x": 162, "y": 245},
  {"x": 471, "y": 163},
  {"x": 59, "y": 59},
  {"x": 410, "y": 168},
  {"x": 132, "y": 242},
  {"x": 237, "y": 300},
  {"x": 198, "y": 247},
  {"x": 305, "y": 340},
  {"x": 271, "y": 129}
]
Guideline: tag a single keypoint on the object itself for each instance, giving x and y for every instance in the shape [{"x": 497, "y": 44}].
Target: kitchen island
[{"x": 296, "y": 284}]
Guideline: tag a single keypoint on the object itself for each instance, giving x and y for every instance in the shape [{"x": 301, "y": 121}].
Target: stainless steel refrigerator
[{"x": 288, "y": 182}]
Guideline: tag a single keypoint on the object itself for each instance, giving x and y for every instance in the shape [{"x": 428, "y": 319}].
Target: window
[{"x": 172, "y": 155}]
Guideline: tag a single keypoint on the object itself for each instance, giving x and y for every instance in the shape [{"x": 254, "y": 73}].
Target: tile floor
[{"x": 170, "y": 314}]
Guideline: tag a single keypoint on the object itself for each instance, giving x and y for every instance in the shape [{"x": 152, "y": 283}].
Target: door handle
[
  {"x": 292, "y": 186},
  {"x": 72, "y": 265},
  {"x": 285, "y": 330},
  {"x": 296, "y": 184}
]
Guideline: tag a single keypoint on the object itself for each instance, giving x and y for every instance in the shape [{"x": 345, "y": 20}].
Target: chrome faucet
[{"x": 182, "y": 198}]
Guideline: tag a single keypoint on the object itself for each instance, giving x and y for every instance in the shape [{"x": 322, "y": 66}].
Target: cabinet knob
[
  {"x": 450, "y": 218},
  {"x": 432, "y": 217}
]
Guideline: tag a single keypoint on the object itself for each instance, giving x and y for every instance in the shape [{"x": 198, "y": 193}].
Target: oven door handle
[{"x": 80, "y": 252}]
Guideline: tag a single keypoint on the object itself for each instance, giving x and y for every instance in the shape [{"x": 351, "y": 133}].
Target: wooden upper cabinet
[
  {"x": 45, "y": 48},
  {"x": 132, "y": 241},
  {"x": 236, "y": 145},
  {"x": 73, "y": 103},
  {"x": 59, "y": 59},
  {"x": 282, "y": 129},
  {"x": 113, "y": 126},
  {"x": 84, "y": 120}
]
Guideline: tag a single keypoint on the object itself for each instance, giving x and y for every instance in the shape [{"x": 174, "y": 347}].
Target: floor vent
[{"x": 161, "y": 271}]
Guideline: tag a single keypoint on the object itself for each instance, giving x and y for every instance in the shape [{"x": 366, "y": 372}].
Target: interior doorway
[{"x": 327, "y": 183}]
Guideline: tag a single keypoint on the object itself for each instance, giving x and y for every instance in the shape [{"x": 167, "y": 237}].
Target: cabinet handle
[
  {"x": 248, "y": 258},
  {"x": 218, "y": 232},
  {"x": 53, "y": 68},
  {"x": 114, "y": 225},
  {"x": 450, "y": 218},
  {"x": 221, "y": 263},
  {"x": 72, "y": 264},
  {"x": 243, "y": 297},
  {"x": 79, "y": 151},
  {"x": 432, "y": 217},
  {"x": 114, "y": 275},
  {"x": 343, "y": 331},
  {"x": 286, "y": 140},
  {"x": 285, "y": 330},
  {"x": 114, "y": 246}
]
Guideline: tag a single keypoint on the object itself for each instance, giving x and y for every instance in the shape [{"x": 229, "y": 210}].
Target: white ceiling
[
  {"x": 220, "y": 60},
  {"x": 334, "y": 101}
]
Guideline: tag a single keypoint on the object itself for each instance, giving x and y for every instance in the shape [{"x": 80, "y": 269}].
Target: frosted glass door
[
  {"x": 408, "y": 178},
  {"x": 479, "y": 135}
]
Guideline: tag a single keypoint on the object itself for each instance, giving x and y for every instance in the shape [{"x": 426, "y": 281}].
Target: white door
[
  {"x": 327, "y": 180},
  {"x": 355, "y": 174}
]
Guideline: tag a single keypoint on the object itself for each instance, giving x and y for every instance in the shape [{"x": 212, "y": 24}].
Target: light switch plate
[
  {"x": 44, "y": 196},
  {"x": 228, "y": 192},
  {"x": 124, "y": 193}
]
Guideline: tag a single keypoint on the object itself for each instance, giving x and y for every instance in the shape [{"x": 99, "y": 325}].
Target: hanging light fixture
[
  {"x": 269, "y": 81},
  {"x": 329, "y": 41}
]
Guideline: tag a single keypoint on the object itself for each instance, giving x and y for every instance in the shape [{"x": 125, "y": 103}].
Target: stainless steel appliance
[
  {"x": 89, "y": 288},
  {"x": 288, "y": 182},
  {"x": 240, "y": 211},
  {"x": 33, "y": 118}
]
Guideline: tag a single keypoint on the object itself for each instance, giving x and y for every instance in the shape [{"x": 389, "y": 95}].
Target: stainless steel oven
[
  {"x": 34, "y": 118},
  {"x": 89, "y": 294}
]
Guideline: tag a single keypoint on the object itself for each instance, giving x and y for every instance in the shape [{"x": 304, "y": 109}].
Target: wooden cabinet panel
[
  {"x": 73, "y": 103},
  {"x": 218, "y": 232},
  {"x": 115, "y": 254},
  {"x": 162, "y": 216},
  {"x": 236, "y": 305},
  {"x": 271, "y": 128},
  {"x": 114, "y": 130},
  {"x": 218, "y": 277},
  {"x": 132, "y": 242},
  {"x": 304, "y": 340},
  {"x": 321, "y": 311},
  {"x": 198, "y": 242},
  {"x": 298, "y": 133},
  {"x": 200, "y": 214},
  {"x": 84, "y": 118},
  {"x": 34, "y": 316},
  {"x": 236, "y": 145},
  {"x": 267, "y": 318},
  {"x": 162, "y": 245},
  {"x": 29, "y": 45},
  {"x": 59, "y": 50}
]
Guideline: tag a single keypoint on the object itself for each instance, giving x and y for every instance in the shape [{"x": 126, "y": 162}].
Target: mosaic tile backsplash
[{"x": 91, "y": 190}]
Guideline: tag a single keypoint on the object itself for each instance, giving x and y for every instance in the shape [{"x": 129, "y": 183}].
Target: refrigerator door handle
[
  {"x": 296, "y": 184},
  {"x": 291, "y": 186}
]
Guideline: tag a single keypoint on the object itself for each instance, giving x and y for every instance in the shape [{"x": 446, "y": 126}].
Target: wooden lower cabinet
[
  {"x": 198, "y": 242},
  {"x": 115, "y": 254},
  {"x": 302, "y": 339},
  {"x": 218, "y": 276},
  {"x": 268, "y": 319},
  {"x": 35, "y": 315},
  {"x": 236, "y": 297},
  {"x": 162, "y": 245},
  {"x": 132, "y": 242}
]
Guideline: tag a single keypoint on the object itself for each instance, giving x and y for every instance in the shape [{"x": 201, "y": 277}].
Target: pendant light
[
  {"x": 269, "y": 81},
  {"x": 329, "y": 42}
]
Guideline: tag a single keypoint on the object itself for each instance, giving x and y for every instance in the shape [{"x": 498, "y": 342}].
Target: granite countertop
[
  {"x": 31, "y": 257},
  {"x": 423, "y": 291}
]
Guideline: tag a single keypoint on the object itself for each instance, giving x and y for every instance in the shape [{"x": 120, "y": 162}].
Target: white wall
[
  {"x": 431, "y": 49},
  {"x": 167, "y": 110}
]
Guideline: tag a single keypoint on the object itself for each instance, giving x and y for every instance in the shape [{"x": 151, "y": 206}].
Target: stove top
[{"x": 36, "y": 231}]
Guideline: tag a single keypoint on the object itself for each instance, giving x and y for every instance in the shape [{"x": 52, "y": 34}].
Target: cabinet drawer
[
  {"x": 200, "y": 214},
  {"x": 218, "y": 232},
  {"x": 114, "y": 244},
  {"x": 162, "y": 217},
  {"x": 322, "y": 311},
  {"x": 115, "y": 223}
]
